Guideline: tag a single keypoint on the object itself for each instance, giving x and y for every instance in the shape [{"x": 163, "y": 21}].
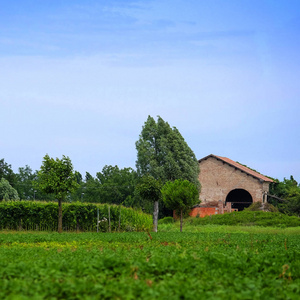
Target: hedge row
[
  {"x": 30, "y": 215},
  {"x": 249, "y": 218}
]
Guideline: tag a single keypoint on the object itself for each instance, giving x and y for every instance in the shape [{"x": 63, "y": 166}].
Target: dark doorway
[{"x": 239, "y": 199}]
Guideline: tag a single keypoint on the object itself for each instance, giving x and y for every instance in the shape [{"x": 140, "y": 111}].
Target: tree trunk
[
  {"x": 155, "y": 216},
  {"x": 59, "y": 215},
  {"x": 181, "y": 220}
]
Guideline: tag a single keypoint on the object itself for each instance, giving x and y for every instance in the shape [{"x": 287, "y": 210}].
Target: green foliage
[
  {"x": 116, "y": 184},
  {"x": 112, "y": 185},
  {"x": 166, "y": 220},
  {"x": 289, "y": 190},
  {"x": 249, "y": 218},
  {"x": 24, "y": 183},
  {"x": 180, "y": 195},
  {"x": 259, "y": 206},
  {"x": 149, "y": 188},
  {"x": 7, "y": 192},
  {"x": 7, "y": 173},
  {"x": 28, "y": 215},
  {"x": 57, "y": 177},
  {"x": 163, "y": 153},
  {"x": 207, "y": 265}
]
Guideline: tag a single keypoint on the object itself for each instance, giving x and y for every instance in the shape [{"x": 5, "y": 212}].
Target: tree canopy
[
  {"x": 150, "y": 189},
  {"x": 7, "y": 192},
  {"x": 289, "y": 191},
  {"x": 180, "y": 195},
  {"x": 7, "y": 172},
  {"x": 163, "y": 153},
  {"x": 111, "y": 185},
  {"x": 24, "y": 185},
  {"x": 57, "y": 177}
]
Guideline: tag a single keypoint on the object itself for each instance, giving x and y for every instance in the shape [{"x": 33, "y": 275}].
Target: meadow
[{"x": 204, "y": 262}]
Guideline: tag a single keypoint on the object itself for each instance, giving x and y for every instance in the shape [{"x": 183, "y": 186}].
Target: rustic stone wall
[{"x": 218, "y": 179}]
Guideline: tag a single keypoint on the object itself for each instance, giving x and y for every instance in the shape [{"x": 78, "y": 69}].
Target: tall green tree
[
  {"x": 116, "y": 185},
  {"x": 180, "y": 195},
  {"x": 25, "y": 178},
  {"x": 7, "y": 192},
  {"x": 7, "y": 172},
  {"x": 289, "y": 191},
  {"x": 111, "y": 185},
  {"x": 57, "y": 177},
  {"x": 163, "y": 153}
]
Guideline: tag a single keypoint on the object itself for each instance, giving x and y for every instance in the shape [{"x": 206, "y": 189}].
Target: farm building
[{"x": 227, "y": 185}]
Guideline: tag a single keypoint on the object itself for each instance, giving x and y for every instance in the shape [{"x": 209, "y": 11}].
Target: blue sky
[{"x": 79, "y": 78}]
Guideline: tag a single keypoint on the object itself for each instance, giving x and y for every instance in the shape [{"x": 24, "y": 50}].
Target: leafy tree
[
  {"x": 7, "y": 192},
  {"x": 7, "y": 172},
  {"x": 289, "y": 191},
  {"x": 163, "y": 153},
  {"x": 90, "y": 189},
  {"x": 150, "y": 189},
  {"x": 116, "y": 185},
  {"x": 88, "y": 176},
  {"x": 57, "y": 177},
  {"x": 180, "y": 195},
  {"x": 78, "y": 177},
  {"x": 111, "y": 185},
  {"x": 24, "y": 185}
]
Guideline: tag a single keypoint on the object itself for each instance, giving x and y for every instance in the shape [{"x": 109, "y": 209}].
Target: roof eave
[{"x": 236, "y": 167}]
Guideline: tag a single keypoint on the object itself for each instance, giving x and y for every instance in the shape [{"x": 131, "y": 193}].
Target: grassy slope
[{"x": 245, "y": 221}]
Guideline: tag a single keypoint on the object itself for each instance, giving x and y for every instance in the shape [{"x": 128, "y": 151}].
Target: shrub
[
  {"x": 166, "y": 220},
  {"x": 259, "y": 206},
  {"x": 29, "y": 215}
]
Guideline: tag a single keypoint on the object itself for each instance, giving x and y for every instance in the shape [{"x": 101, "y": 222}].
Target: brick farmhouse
[{"x": 227, "y": 185}]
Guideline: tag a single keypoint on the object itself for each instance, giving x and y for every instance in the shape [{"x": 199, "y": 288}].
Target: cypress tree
[{"x": 163, "y": 153}]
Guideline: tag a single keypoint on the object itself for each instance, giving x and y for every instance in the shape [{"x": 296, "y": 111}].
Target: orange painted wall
[{"x": 204, "y": 211}]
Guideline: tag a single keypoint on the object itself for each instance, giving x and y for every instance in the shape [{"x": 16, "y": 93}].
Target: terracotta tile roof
[{"x": 239, "y": 166}]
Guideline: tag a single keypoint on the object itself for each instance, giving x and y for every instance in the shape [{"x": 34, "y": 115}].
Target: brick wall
[
  {"x": 218, "y": 179},
  {"x": 204, "y": 211}
]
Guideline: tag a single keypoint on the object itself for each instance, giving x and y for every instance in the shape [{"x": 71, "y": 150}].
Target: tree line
[
  {"x": 287, "y": 196},
  {"x": 162, "y": 156}
]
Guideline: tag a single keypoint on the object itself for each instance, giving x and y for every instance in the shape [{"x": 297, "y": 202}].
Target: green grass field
[{"x": 204, "y": 262}]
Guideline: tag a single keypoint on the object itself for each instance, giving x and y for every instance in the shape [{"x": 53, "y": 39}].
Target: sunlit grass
[{"x": 226, "y": 229}]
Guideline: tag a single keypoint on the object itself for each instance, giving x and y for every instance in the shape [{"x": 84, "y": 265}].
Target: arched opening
[{"x": 239, "y": 199}]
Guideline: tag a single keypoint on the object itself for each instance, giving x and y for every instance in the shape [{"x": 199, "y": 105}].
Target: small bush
[
  {"x": 166, "y": 220},
  {"x": 259, "y": 206}
]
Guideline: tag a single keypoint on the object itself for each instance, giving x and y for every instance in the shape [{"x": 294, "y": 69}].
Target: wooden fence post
[
  {"x": 97, "y": 219},
  {"x": 109, "y": 227},
  {"x": 120, "y": 220}
]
